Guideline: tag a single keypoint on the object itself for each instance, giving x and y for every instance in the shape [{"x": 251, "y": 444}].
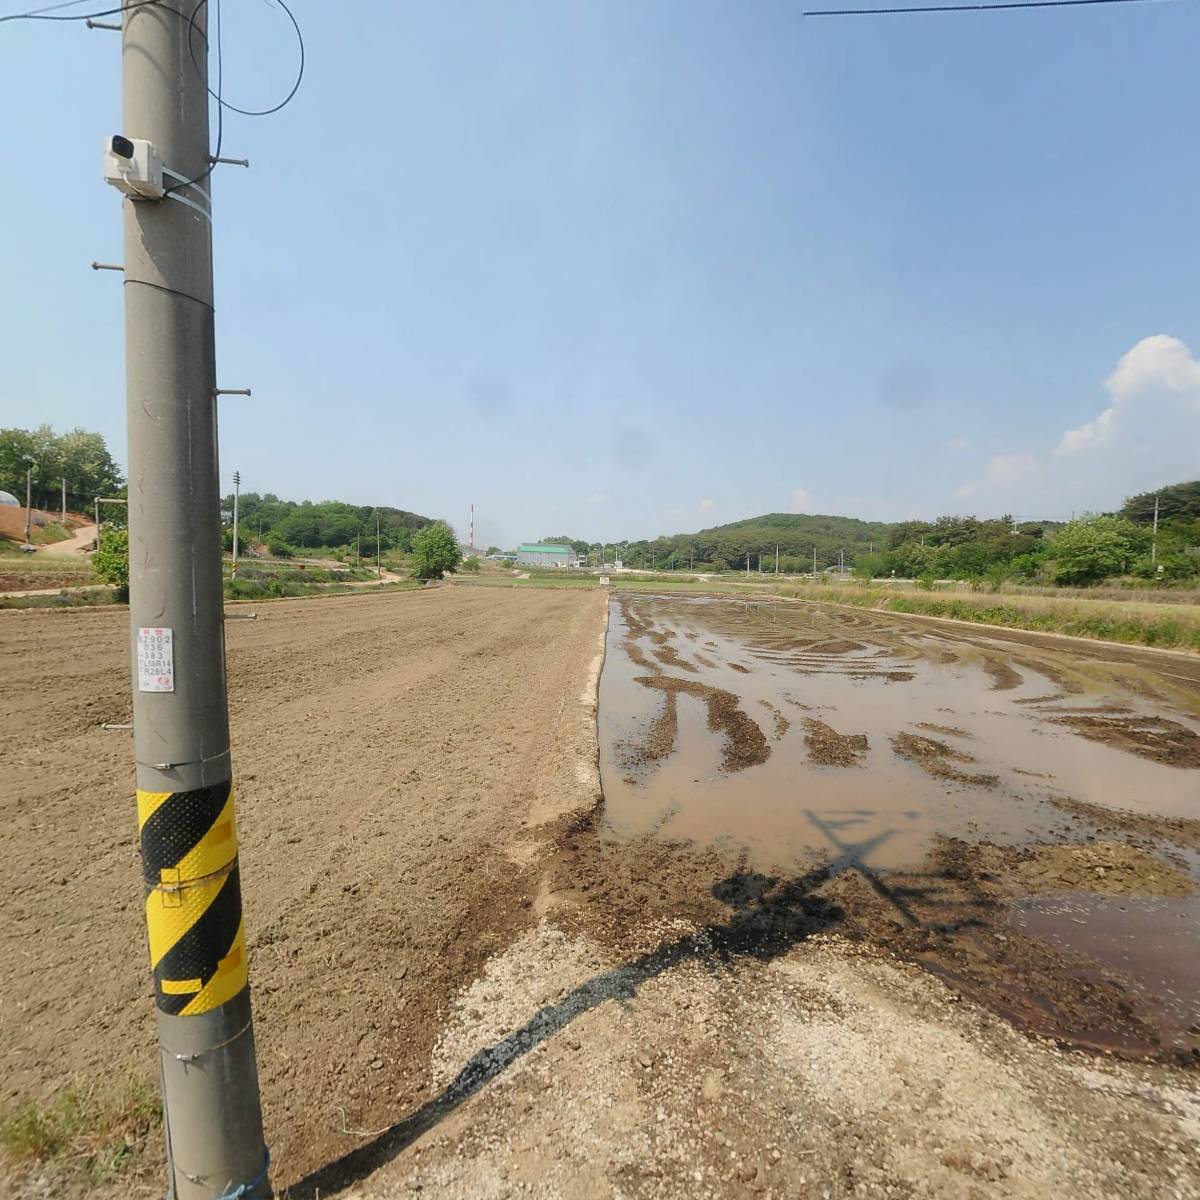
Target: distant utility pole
[
  {"x": 814, "y": 562},
  {"x": 237, "y": 488},
  {"x": 212, "y": 1117},
  {"x": 64, "y": 502},
  {"x": 776, "y": 560},
  {"x": 28, "y": 501},
  {"x": 1153, "y": 539},
  {"x": 747, "y": 564},
  {"x": 379, "y": 569},
  {"x": 841, "y": 562},
  {"x": 471, "y": 538}
]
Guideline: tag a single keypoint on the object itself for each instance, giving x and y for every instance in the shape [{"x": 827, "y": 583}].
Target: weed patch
[{"x": 85, "y": 1136}]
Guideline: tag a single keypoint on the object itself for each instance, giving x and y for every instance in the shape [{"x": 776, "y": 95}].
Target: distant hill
[
  {"x": 795, "y": 534},
  {"x": 330, "y": 524}
]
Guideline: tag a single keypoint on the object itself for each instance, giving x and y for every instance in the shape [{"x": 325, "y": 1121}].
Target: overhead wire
[
  {"x": 943, "y": 8},
  {"x": 212, "y": 158},
  {"x": 260, "y": 112},
  {"x": 48, "y": 13}
]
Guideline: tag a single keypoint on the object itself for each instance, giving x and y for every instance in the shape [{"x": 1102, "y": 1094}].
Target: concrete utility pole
[
  {"x": 379, "y": 569},
  {"x": 776, "y": 560},
  {"x": 1153, "y": 539},
  {"x": 747, "y": 564},
  {"x": 28, "y": 501},
  {"x": 64, "y": 502},
  {"x": 814, "y": 562},
  {"x": 237, "y": 488},
  {"x": 212, "y": 1116}
]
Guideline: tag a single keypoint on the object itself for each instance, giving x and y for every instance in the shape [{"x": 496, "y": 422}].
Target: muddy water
[
  {"x": 796, "y": 737},
  {"x": 788, "y": 666},
  {"x": 1152, "y": 943}
]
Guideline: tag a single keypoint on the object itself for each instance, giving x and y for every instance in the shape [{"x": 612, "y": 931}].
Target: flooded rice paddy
[{"x": 1020, "y": 817}]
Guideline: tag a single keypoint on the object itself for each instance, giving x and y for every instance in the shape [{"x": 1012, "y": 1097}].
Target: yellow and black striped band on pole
[{"x": 193, "y": 897}]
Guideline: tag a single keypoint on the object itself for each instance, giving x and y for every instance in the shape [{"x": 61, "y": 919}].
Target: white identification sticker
[{"x": 155, "y": 660}]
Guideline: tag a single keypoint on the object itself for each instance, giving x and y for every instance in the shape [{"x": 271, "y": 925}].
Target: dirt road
[
  {"x": 80, "y": 542},
  {"x": 471, "y": 981}
]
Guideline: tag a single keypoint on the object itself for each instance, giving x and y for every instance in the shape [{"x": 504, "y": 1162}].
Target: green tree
[
  {"x": 435, "y": 552},
  {"x": 78, "y": 456},
  {"x": 868, "y": 567},
  {"x": 471, "y": 565},
  {"x": 1094, "y": 548},
  {"x": 111, "y": 561}
]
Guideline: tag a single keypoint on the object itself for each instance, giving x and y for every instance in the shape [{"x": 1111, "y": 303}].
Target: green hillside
[
  {"x": 795, "y": 534},
  {"x": 288, "y": 526}
]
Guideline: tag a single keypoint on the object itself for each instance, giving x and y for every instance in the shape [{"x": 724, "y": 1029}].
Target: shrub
[{"x": 111, "y": 561}]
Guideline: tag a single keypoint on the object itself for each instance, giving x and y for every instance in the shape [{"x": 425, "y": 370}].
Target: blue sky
[{"x": 620, "y": 269}]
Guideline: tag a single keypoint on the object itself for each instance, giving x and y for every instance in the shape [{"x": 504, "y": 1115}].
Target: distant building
[{"x": 539, "y": 555}]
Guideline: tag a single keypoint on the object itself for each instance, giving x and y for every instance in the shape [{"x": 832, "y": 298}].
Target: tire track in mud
[{"x": 950, "y": 911}]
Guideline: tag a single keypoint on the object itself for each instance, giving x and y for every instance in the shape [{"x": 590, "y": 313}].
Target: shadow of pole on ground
[{"x": 768, "y": 919}]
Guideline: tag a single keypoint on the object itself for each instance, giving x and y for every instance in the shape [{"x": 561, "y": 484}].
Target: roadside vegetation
[
  {"x": 83, "y": 1136},
  {"x": 1175, "y": 626}
]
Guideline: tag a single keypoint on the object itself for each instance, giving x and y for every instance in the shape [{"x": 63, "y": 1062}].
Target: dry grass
[
  {"x": 83, "y": 1136},
  {"x": 1135, "y": 622}
]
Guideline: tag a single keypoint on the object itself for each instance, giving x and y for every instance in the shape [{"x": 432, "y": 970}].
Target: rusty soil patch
[
  {"x": 945, "y": 730},
  {"x": 1156, "y": 738},
  {"x": 832, "y": 749},
  {"x": 745, "y": 744},
  {"x": 936, "y": 757},
  {"x": 669, "y": 656},
  {"x": 1002, "y": 675}
]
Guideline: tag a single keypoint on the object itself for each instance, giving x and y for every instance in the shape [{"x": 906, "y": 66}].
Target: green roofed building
[{"x": 540, "y": 555}]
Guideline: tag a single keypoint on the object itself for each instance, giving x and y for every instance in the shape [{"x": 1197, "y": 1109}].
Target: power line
[
  {"x": 942, "y": 8},
  {"x": 212, "y": 159},
  {"x": 41, "y": 14},
  {"x": 255, "y": 112}
]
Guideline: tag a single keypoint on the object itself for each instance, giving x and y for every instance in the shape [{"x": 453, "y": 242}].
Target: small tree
[
  {"x": 868, "y": 567},
  {"x": 1094, "y": 548},
  {"x": 435, "y": 552},
  {"x": 111, "y": 561},
  {"x": 471, "y": 565}
]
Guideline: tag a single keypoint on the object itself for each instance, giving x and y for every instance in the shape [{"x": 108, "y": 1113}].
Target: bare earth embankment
[{"x": 468, "y": 983}]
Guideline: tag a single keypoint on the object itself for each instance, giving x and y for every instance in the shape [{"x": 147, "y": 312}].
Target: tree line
[
  {"x": 285, "y": 526},
  {"x": 78, "y": 456},
  {"x": 1088, "y": 550}
]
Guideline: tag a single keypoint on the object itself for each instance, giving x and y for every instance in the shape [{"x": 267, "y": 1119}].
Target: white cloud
[
  {"x": 1157, "y": 366},
  {"x": 707, "y": 505},
  {"x": 1008, "y": 468},
  {"x": 801, "y": 501},
  {"x": 1156, "y": 362},
  {"x": 956, "y": 444},
  {"x": 1146, "y": 436}
]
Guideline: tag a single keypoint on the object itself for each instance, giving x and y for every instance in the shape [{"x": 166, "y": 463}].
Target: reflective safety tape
[{"x": 193, "y": 897}]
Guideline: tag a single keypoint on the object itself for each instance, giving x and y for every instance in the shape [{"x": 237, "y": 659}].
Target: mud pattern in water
[{"x": 937, "y": 787}]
